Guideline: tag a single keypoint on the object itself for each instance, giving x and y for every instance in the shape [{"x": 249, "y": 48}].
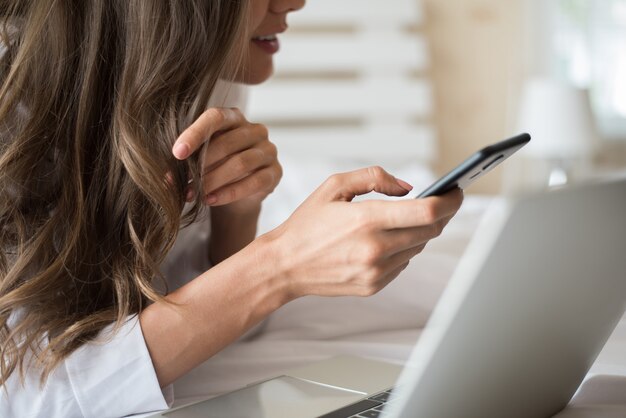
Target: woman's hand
[
  {"x": 239, "y": 163},
  {"x": 331, "y": 246}
]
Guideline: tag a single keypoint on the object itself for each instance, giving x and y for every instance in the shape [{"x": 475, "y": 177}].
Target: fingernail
[
  {"x": 181, "y": 151},
  {"x": 210, "y": 199},
  {"x": 406, "y": 186}
]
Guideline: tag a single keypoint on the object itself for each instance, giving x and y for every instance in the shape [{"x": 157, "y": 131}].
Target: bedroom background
[
  {"x": 425, "y": 82},
  {"x": 416, "y": 88}
]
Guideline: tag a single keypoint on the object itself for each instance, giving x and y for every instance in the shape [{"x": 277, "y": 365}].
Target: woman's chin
[{"x": 254, "y": 76}]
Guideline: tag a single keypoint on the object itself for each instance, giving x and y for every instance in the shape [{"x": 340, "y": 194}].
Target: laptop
[{"x": 535, "y": 297}]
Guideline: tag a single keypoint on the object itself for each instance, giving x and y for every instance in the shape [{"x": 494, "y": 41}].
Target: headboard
[{"x": 351, "y": 82}]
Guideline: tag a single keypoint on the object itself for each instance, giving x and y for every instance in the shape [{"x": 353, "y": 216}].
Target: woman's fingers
[
  {"x": 235, "y": 168},
  {"x": 411, "y": 212},
  {"x": 346, "y": 186},
  {"x": 262, "y": 181},
  {"x": 211, "y": 121},
  {"x": 233, "y": 142},
  {"x": 397, "y": 240}
]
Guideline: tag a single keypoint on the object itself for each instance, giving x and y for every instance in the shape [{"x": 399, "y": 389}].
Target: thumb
[{"x": 346, "y": 186}]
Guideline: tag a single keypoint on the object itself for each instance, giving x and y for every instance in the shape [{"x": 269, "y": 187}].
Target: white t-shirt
[{"x": 114, "y": 376}]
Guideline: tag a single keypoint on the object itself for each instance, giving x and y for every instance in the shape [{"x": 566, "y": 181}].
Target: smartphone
[{"x": 476, "y": 166}]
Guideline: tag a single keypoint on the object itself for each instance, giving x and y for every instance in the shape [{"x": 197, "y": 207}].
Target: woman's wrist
[
  {"x": 277, "y": 263},
  {"x": 265, "y": 257},
  {"x": 254, "y": 280}
]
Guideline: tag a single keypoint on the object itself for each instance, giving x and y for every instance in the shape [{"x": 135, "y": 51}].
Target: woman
[{"x": 105, "y": 138}]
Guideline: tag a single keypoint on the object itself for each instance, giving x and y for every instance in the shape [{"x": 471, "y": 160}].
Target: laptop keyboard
[{"x": 371, "y": 407}]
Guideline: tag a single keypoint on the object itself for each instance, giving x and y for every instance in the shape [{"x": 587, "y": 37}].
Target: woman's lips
[{"x": 269, "y": 44}]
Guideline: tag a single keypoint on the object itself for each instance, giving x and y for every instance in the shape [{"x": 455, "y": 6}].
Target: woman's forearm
[
  {"x": 231, "y": 230},
  {"x": 210, "y": 312}
]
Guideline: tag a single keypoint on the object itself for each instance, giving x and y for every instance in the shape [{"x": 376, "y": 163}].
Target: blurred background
[{"x": 424, "y": 83}]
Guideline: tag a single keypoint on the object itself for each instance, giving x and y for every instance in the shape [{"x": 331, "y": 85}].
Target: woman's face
[{"x": 268, "y": 19}]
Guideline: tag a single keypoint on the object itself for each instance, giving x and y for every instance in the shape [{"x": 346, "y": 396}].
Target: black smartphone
[{"x": 476, "y": 166}]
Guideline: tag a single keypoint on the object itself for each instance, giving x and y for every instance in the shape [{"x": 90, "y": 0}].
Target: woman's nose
[{"x": 286, "y": 6}]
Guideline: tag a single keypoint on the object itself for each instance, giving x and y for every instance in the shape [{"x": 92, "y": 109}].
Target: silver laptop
[{"x": 531, "y": 304}]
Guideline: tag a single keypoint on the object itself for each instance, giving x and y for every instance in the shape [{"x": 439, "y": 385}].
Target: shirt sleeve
[{"x": 112, "y": 376}]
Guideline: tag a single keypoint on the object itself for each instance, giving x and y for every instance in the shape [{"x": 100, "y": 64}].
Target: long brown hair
[{"x": 93, "y": 95}]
